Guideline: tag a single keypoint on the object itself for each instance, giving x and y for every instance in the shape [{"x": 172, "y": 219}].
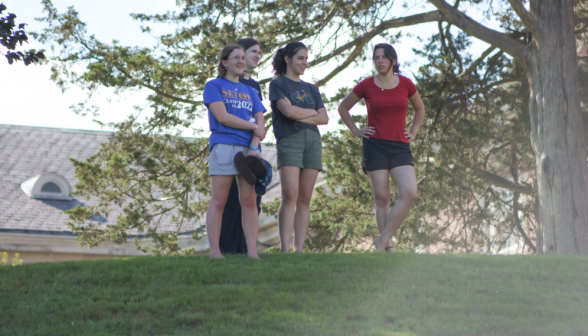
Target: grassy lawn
[{"x": 309, "y": 294}]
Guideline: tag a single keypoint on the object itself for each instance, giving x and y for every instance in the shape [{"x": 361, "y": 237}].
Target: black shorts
[{"x": 380, "y": 154}]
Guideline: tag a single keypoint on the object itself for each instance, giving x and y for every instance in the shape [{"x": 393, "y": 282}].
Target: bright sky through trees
[{"x": 108, "y": 20}]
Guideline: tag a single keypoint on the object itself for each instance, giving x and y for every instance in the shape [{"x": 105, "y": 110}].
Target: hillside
[{"x": 308, "y": 294}]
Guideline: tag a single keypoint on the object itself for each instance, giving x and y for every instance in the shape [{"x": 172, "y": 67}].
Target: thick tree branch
[
  {"x": 501, "y": 182},
  {"x": 484, "y": 89},
  {"x": 363, "y": 39},
  {"x": 465, "y": 23},
  {"x": 155, "y": 89},
  {"x": 496, "y": 39},
  {"x": 525, "y": 16},
  {"x": 265, "y": 80},
  {"x": 476, "y": 63},
  {"x": 166, "y": 95},
  {"x": 358, "y": 50},
  {"x": 522, "y": 231},
  {"x": 326, "y": 20},
  {"x": 395, "y": 23},
  {"x": 452, "y": 48}
]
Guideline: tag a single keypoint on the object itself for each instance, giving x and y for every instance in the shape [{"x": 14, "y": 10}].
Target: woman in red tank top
[{"x": 386, "y": 143}]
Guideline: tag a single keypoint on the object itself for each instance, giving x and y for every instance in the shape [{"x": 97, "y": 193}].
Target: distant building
[{"x": 36, "y": 178}]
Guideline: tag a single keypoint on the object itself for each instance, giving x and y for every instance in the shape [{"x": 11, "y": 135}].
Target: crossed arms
[{"x": 307, "y": 116}]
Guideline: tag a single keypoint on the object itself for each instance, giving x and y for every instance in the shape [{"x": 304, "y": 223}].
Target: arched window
[
  {"x": 47, "y": 186},
  {"x": 51, "y": 187}
]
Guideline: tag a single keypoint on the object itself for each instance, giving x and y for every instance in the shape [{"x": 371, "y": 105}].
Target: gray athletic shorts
[{"x": 221, "y": 159}]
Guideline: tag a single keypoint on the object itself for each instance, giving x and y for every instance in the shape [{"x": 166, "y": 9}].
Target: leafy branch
[{"x": 11, "y": 37}]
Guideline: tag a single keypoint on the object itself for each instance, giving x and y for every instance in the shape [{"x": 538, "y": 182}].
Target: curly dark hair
[{"x": 279, "y": 61}]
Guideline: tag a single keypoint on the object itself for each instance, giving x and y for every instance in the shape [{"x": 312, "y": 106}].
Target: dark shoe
[
  {"x": 243, "y": 168},
  {"x": 257, "y": 166}
]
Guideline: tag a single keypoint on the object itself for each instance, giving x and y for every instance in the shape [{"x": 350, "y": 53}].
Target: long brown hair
[
  {"x": 224, "y": 56},
  {"x": 389, "y": 53}
]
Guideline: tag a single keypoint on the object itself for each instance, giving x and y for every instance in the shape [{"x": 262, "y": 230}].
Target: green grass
[{"x": 308, "y": 294}]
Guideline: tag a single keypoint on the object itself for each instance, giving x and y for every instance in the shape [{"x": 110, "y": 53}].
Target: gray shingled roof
[{"x": 29, "y": 151}]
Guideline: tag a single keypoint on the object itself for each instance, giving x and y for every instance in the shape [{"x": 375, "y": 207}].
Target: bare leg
[
  {"x": 405, "y": 179},
  {"x": 250, "y": 216},
  {"x": 220, "y": 187},
  {"x": 302, "y": 215},
  {"x": 380, "y": 183},
  {"x": 289, "y": 177}
]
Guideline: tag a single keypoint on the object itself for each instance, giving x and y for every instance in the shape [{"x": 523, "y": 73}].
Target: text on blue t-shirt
[{"x": 240, "y": 100}]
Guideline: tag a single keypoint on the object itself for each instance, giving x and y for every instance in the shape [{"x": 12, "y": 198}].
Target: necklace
[{"x": 383, "y": 83}]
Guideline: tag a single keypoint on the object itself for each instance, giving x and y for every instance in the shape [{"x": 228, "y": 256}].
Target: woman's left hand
[
  {"x": 253, "y": 152},
  {"x": 409, "y": 135},
  {"x": 260, "y": 132}
]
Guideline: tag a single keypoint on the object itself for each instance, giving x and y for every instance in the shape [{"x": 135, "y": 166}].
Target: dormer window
[
  {"x": 51, "y": 187},
  {"x": 47, "y": 186}
]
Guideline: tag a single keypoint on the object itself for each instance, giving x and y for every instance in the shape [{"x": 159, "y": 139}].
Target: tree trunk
[{"x": 557, "y": 133}]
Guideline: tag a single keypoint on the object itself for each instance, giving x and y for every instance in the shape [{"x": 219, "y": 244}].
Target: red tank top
[{"x": 386, "y": 108}]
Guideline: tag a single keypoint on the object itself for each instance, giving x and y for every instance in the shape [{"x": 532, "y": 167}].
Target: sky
[{"x": 30, "y": 98}]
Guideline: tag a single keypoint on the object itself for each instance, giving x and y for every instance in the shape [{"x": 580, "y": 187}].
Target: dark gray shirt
[
  {"x": 301, "y": 94},
  {"x": 254, "y": 84}
]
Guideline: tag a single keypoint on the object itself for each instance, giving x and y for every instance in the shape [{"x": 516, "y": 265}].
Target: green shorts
[{"x": 303, "y": 150}]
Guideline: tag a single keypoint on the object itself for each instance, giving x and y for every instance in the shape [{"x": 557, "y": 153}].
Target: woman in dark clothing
[
  {"x": 386, "y": 143},
  {"x": 297, "y": 109}
]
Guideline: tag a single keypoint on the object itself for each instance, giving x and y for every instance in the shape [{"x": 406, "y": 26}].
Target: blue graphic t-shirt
[{"x": 240, "y": 100}]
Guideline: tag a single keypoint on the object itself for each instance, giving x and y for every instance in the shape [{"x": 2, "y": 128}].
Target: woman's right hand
[{"x": 364, "y": 132}]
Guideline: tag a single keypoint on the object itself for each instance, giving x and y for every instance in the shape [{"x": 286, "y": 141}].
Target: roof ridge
[
  {"x": 54, "y": 129},
  {"x": 77, "y": 130}
]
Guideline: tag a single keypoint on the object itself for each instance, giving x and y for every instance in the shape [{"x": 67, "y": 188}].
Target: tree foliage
[
  {"x": 10, "y": 38},
  {"x": 474, "y": 160},
  {"x": 472, "y": 148}
]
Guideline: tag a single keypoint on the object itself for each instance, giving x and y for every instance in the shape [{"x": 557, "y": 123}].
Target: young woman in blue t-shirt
[
  {"x": 232, "y": 237},
  {"x": 235, "y": 114}
]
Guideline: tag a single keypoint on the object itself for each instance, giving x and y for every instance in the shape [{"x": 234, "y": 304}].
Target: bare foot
[
  {"x": 215, "y": 254},
  {"x": 379, "y": 246},
  {"x": 389, "y": 247},
  {"x": 253, "y": 256}
]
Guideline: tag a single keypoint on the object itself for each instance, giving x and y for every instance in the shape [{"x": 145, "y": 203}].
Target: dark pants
[{"x": 232, "y": 237}]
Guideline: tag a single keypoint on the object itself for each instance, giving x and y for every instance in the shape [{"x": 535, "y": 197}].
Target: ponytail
[
  {"x": 389, "y": 53},
  {"x": 279, "y": 61}
]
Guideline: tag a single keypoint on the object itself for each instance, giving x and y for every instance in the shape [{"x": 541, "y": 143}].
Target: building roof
[{"x": 26, "y": 152}]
